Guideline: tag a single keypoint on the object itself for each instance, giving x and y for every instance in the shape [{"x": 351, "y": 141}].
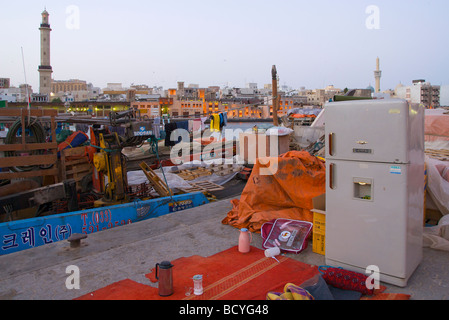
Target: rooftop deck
[{"x": 129, "y": 252}]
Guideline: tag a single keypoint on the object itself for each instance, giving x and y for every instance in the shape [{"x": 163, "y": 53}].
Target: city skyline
[{"x": 313, "y": 44}]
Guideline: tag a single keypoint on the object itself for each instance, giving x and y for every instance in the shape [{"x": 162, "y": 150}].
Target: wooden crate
[
  {"x": 224, "y": 169},
  {"x": 48, "y": 159},
  {"x": 75, "y": 165},
  {"x": 202, "y": 186},
  {"x": 192, "y": 174}
]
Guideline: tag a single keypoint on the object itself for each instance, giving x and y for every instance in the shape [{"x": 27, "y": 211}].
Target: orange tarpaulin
[{"x": 286, "y": 193}]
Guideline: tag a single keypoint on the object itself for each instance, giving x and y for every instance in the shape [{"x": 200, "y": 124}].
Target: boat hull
[{"x": 29, "y": 233}]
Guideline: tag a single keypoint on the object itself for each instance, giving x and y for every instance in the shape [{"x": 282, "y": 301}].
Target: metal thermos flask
[
  {"x": 245, "y": 239},
  {"x": 165, "y": 278}
]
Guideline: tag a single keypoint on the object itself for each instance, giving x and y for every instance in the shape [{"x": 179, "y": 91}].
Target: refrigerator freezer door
[
  {"x": 370, "y": 219},
  {"x": 368, "y": 130}
]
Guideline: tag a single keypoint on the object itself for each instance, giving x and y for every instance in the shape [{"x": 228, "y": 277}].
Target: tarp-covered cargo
[{"x": 282, "y": 191}]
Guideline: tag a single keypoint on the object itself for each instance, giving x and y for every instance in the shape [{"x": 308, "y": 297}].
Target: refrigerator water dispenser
[{"x": 363, "y": 189}]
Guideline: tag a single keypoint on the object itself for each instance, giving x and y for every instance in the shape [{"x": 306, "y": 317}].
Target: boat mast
[
  {"x": 275, "y": 95},
  {"x": 26, "y": 85}
]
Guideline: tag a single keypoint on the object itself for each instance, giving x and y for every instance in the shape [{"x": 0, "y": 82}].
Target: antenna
[{"x": 26, "y": 86}]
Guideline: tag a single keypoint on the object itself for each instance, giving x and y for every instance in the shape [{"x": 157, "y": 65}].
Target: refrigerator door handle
[
  {"x": 331, "y": 143},
  {"x": 331, "y": 176}
]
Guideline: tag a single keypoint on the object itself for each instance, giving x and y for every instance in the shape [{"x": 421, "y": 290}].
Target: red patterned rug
[{"x": 227, "y": 275}]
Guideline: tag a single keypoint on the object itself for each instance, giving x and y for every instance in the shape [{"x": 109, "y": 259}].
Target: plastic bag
[
  {"x": 279, "y": 131},
  {"x": 437, "y": 237},
  {"x": 289, "y": 235},
  {"x": 438, "y": 187}
]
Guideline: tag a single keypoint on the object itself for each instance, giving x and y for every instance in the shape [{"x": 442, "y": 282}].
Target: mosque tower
[
  {"x": 377, "y": 75},
  {"x": 45, "y": 69}
]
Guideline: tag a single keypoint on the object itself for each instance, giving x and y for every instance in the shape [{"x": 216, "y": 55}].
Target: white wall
[{"x": 444, "y": 96}]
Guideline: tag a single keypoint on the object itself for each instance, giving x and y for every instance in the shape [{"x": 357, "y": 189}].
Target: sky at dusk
[{"x": 158, "y": 43}]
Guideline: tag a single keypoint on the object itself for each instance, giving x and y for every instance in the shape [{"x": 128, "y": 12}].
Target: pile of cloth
[
  {"x": 172, "y": 126},
  {"x": 314, "y": 289},
  {"x": 336, "y": 284},
  {"x": 76, "y": 139}
]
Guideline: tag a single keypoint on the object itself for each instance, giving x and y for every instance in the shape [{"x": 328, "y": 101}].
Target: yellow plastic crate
[
  {"x": 319, "y": 243},
  {"x": 319, "y": 223},
  {"x": 319, "y": 232}
]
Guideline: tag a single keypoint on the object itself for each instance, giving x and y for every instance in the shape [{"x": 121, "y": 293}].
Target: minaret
[
  {"x": 45, "y": 69},
  {"x": 377, "y": 75}
]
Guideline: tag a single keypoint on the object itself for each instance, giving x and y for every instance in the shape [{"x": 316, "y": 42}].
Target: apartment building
[
  {"x": 420, "y": 92},
  {"x": 5, "y": 83}
]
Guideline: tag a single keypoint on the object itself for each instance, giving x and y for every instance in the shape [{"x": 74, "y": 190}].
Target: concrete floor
[{"x": 131, "y": 251}]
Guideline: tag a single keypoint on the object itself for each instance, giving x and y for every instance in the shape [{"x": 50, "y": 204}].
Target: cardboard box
[
  {"x": 253, "y": 146},
  {"x": 319, "y": 204}
]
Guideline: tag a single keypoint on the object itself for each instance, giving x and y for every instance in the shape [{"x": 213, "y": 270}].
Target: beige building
[
  {"x": 151, "y": 109},
  {"x": 188, "y": 107},
  {"x": 318, "y": 97},
  {"x": 68, "y": 85},
  {"x": 238, "y": 110},
  {"x": 73, "y": 90}
]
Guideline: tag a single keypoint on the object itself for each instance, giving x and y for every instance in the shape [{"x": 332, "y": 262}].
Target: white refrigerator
[{"x": 375, "y": 187}]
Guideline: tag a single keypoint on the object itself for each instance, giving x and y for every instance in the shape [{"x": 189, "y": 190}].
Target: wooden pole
[{"x": 275, "y": 95}]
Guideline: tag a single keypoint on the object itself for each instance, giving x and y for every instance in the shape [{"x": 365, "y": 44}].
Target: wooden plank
[
  {"x": 76, "y": 162},
  {"x": 202, "y": 186},
  {"x": 194, "y": 173},
  {"x": 77, "y": 151},
  {"x": 158, "y": 185},
  {"x": 77, "y": 180},
  {"x": 442, "y": 155},
  {"x": 28, "y": 146},
  {"x": 17, "y": 112},
  {"x": 192, "y": 189},
  {"x": 29, "y": 174},
  {"x": 28, "y": 160},
  {"x": 79, "y": 168},
  {"x": 209, "y": 186}
]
